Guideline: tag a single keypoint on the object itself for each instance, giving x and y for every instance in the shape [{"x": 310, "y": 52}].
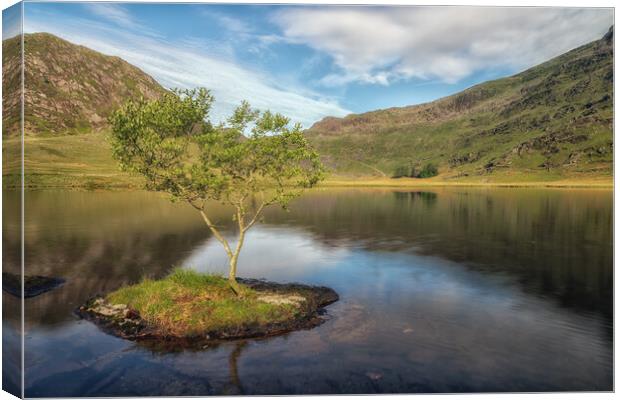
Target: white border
[{"x": 523, "y": 3}]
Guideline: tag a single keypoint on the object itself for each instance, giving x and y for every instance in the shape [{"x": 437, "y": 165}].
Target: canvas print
[{"x": 250, "y": 199}]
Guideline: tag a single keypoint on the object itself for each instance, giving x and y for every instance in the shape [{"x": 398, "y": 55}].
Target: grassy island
[{"x": 188, "y": 304}]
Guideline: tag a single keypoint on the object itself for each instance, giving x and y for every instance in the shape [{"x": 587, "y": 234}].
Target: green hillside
[
  {"x": 553, "y": 121},
  {"x": 69, "y": 91}
]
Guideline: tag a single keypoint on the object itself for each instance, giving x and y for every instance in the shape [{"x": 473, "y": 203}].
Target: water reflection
[
  {"x": 409, "y": 198},
  {"x": 233, "y": 360},
  {"x": 555, "y": 242},
  {"x": 97, "y": 242},
  {"x": 443, "y": 290}
]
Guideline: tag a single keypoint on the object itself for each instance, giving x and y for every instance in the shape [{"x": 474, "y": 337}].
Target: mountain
[
  {"x": 68, "y": 89},
  {"x": 551, "y": 121},
  {"x": 69, "y": 92}
]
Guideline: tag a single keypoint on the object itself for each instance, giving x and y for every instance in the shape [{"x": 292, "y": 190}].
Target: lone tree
[{"x": 254, "y": 160}]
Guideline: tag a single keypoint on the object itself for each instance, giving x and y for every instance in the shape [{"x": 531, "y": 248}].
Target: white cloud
[
  {"x": 113, "y": 13},
  {"x": 227, "y": 22},
  {"x": 174, "y": 65},
  {"x": 380, "y": 45},
  {"x": 118, "y": 15}
]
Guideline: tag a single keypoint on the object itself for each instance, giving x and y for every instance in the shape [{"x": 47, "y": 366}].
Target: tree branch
[
  {"x": 242, "y": 230},
  {"x": 216, "y": 233},
  {"x": 256, "y": 215}
]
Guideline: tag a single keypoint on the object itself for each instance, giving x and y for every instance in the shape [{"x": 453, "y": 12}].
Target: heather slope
[{"x": 552, "y": 121}]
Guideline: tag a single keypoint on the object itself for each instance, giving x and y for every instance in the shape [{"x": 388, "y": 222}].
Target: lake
[{"x": 442, "y": 290}]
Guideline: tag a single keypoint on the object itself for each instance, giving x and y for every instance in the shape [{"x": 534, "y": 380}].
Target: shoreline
[
  {"x": 369, "y": 182},
  {"x": 421, "y": 183}
]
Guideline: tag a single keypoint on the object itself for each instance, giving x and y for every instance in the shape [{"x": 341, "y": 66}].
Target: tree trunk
[
  {"x": 232, "y": 275},
  {"x": 232, "y": 271},
  {"x": 233, "y": 256}
]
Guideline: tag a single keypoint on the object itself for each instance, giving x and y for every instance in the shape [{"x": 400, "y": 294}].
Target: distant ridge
[{"x": 553, "y": 120}]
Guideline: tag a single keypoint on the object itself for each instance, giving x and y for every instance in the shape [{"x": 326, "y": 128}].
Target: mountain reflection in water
[{"x": 442, "y": 290}]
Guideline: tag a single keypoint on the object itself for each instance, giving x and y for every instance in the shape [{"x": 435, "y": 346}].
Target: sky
[{"x": 309, "y": 62}]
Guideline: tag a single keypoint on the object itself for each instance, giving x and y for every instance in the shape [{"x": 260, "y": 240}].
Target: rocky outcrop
[{"x": 68, "y": 88}]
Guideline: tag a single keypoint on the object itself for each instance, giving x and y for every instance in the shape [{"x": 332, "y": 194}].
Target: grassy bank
[
  {"x": 84, "y": 162},
  {"x": 572, "y": 182},
  {"x": 124, "y": 182},
  {"x": 187, "y": 303},
  {"x": 69, "y": 161}
]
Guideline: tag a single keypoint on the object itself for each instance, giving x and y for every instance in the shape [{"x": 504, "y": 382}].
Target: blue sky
[{"x": 309, "y": 62}]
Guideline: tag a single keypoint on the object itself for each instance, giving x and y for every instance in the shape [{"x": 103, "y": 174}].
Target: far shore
[
  {"x": 602, "y": 183},
  {"x": 124, "y": 182}
]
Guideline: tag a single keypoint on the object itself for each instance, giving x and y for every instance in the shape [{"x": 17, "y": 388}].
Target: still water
[{"x": 442, "y": 290}]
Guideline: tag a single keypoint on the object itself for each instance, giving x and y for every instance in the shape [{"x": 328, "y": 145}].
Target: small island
[
  {"x": 254, "y": 160},
  {"x": 190, "y": 307}
]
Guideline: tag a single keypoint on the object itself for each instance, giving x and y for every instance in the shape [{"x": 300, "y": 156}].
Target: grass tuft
[{"x": 188, "y": 303}]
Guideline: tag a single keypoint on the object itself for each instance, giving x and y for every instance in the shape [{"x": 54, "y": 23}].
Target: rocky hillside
[
  {"x": 11, "y": 86},
  {"x": 68, "y": 88},
  {"x": 553, "y": 120}
]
